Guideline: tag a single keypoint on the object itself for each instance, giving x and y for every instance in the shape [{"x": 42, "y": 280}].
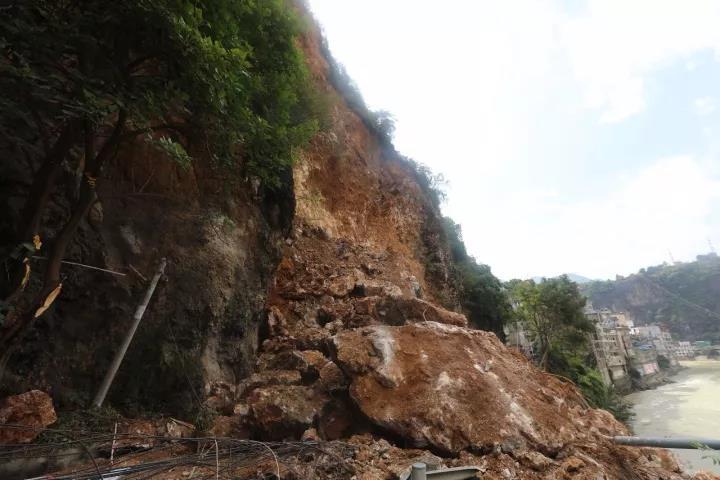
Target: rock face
[
  {"x": 32, "y": 410},
  {"x": 454, "y": 389},
  {"x": 222, "y": 244}
]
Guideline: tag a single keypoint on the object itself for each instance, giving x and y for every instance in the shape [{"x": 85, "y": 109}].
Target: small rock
[
  {"x": 178, "y": 429},
  {"x": 332, "y": 378},
  {"x": 33, "y": 409},
  {"x": 536, "y": 460},
  {"x": 572, "y": 464}
]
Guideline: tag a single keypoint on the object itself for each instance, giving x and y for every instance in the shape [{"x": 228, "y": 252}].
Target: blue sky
[{"x": 576, "y": 136}]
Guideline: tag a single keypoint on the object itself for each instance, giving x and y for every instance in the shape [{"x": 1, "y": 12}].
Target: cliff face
[
  {"x": 322, "y": 312},
  {"x": 222, "y": 242}
]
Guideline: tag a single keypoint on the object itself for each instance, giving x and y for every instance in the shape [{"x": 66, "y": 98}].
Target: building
[
  {"x": 516, "y": 336},
  {"x": 610, "y": 344},
  {"x": 684, "y": 350},
  {"x": 657, "y": 336},
  {"x": 644, "y": 361}
]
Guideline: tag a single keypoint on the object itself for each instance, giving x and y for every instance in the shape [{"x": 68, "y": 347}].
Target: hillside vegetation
[{"x": 685, "y": 297}]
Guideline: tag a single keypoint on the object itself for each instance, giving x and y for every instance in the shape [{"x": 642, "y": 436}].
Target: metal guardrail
[
  {"x": 669, "y": 442},
  {"x": 420, "y": 471}
]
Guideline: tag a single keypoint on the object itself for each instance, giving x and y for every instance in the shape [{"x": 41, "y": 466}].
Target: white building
[{"x": 684, "y": 350}]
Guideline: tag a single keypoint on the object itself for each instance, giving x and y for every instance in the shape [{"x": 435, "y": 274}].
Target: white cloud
[
  {"x": 614, "y": 45},
  {"x": 663, "y": 207},
  {"x": 499, "y": 96},
  {"x": 704, "y": 105}
]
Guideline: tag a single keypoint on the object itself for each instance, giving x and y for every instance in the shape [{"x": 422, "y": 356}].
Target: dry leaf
[{"x": 49, "y": 300}]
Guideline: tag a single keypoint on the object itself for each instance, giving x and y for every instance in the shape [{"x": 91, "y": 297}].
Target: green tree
[
  {"x": 223, "y": 78},
  {"x": 552, "y": 313},
  {"x": 482, "y": 295}
]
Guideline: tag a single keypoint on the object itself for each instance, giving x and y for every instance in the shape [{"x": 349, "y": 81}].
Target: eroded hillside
[{"x": 324, "y": 312}]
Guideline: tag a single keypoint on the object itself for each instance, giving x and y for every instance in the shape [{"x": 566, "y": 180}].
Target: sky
[{"x": 575, "y": 136}]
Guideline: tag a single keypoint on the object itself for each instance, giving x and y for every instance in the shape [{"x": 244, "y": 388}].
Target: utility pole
[
  {"x": 120, "y": 355},
  {"x": 712, "y": 247}
]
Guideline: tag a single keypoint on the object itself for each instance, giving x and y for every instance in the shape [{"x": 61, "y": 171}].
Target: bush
[
  {"x": 481, "y": 293},
  {"x": 590, "y": 383}
]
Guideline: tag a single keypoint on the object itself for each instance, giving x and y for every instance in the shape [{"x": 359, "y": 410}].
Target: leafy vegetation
[
  {"x": 482, "y": 295},
  {"x": 222, "y": 80},
  {"x": 551, "y": 311},
  {"x": 382, "y": 124},
  {"x": 685, "y": 297}
]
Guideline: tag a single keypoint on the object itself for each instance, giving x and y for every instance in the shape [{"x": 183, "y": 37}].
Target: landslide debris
[
  {"x": 399, "y": 378},
  {"x": 33, "y": 410}
]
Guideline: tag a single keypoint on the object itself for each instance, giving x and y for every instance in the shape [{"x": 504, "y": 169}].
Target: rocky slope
[
  {"x": 334, "y": 323},
  {"x": 357, "y": 346}
]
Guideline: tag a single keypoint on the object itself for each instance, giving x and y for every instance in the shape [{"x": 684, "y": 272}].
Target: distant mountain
[
  {"x": 685, "y": 297},
  {"x": 579, "y": 279}
]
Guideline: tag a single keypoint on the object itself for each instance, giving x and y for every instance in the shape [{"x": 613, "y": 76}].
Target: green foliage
[
  {"x": 685, "y": 297},
  {"x": 225, "y": 75},
  {"x": 172, "y": 149},
  {"x": 575, "y": 365},
  {"x": 552, "y": 313},
  {"x": 663, "y": 362},
  {"x": 382, "y": 124},
  {"x": 482, "y": 295}
]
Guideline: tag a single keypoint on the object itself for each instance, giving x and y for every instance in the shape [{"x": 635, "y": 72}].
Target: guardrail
[{"x": 669, "y": 442}]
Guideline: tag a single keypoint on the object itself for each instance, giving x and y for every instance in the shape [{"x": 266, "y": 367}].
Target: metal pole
[
  {"x": 110, "y": 375},
  {"x": 666, "y": 442},
  {"x": 418, "y": 472}
]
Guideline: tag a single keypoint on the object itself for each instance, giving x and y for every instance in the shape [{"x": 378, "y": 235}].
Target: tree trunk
[
  {"x": 44, "y": 182},
  {"x": 51, "y": 280},
  {"x": 35, "y": 204}
]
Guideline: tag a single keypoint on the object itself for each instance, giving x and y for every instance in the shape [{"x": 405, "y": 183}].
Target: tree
[
  {"x": 482, "y": 295},
  {"x": 552, "y": 313},
  {"x": 223, "y": 78}
]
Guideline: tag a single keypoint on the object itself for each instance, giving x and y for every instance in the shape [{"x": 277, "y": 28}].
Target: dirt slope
[{"x": 358, "y": 347}]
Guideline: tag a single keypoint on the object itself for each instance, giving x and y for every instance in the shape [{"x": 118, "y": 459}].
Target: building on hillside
[
  {"x": 610, "y": 345},
  {"x": 644, "y": 360},
  {"x": 516, "y": 336},
  {"x": 684, "y": 350},
  {"x": 657, "y": 336},
  {"x": 616, "y": 319}
]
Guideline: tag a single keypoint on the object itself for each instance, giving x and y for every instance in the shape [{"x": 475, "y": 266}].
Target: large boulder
[
  {"x": 451, "y": 388},
  {"x": 31, "y": 411}
]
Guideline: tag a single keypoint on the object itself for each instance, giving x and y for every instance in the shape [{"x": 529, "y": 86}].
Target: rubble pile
[{"x": 353, "y": 353}]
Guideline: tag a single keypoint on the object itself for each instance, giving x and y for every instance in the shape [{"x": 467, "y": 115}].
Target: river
[{"x": 688, "y": 407}]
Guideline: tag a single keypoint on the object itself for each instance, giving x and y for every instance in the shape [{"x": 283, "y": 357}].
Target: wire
[{"x": 139, "y": 457}]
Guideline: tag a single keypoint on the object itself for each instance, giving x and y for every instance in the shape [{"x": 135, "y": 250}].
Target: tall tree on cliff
[
  {"x": 81, "y": 79},
  {"x": 552, "y": 313}
]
